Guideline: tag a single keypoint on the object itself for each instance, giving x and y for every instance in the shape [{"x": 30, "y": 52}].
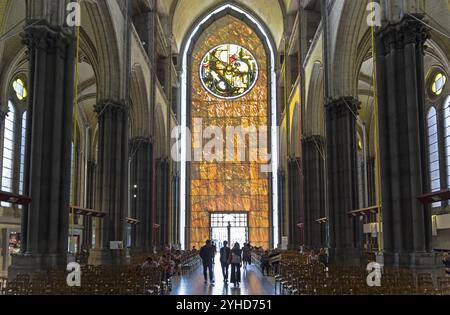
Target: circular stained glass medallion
[
  {"x": 228, "y": 71},
  {"x": 438, "y": 84}
]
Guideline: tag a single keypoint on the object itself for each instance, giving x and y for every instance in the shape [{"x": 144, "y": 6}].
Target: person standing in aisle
[
  {"x": 224, "y": 260},
  {"x": 246, "y": 254},
  {"x": 236, "y": 264},
  {"x": 207, "y": 259}
]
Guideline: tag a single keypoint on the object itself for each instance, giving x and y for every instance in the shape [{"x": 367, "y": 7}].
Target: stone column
[
  {"x": 145, "y": 24},
  {"x": 176, "y": 208},
  {"x": 141, "y": 183},
  {"x": 112, "y": 179},
  {"x": 281, "y": 202},
  {"x": 342, "y": 178},
  {"x": 90, "y": 197},
  {"x": 45, "y": 222},
  {"x": 400, "y": 74},
  {"x": 162, "y": 206},
  {"x": 371, "y": 181},
  {"x": 3, "y": 113},
  {"x": 4, "y": 251},
  {"x": 314, "y": 168},
  {"x": 295, "y": 203}
]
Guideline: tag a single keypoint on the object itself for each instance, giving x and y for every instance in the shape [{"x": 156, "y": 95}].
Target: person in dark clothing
[
  {"x": 275, "y": 259},
  {"x": 207, "y": 257},
  {"x": 323, "y": 258},
  {"x": 265, "y": 263},
  {"x": 246, "y": 254},
  {"x": 446, "y": 262},
  {"x": 224, "y": 260},
  {"x": 236, "y": 263}
]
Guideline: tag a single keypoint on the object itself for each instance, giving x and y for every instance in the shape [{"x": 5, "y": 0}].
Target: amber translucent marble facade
[{"x": 234, "y": 186}]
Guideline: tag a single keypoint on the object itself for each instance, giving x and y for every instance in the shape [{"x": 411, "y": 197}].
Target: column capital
[
  {"x": 44, "y": 36},
  {"x": 343, "y": 104},
  {"x": 110, "y": 106},
  {"x": 314, "y": 139},
  {"x": 139, "y": 140},
  {"x": 162, "y": 161},
  {"x": 3, "y": 113},
  {"x": 410, "y": 30}
]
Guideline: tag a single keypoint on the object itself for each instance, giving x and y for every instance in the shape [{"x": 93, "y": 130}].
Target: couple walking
[{"x": 228, "y": 257}]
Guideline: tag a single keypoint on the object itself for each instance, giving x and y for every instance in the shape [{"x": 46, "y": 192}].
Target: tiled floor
[{"x": 252, "y": 283}]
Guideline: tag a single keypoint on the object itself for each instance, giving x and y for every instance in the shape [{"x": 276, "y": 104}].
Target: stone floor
[{"x": 252, "y": 283}]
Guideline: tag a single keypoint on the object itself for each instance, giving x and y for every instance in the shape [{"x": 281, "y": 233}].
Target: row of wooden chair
[
  {"x": 300, "y": 276},
  {"x": 95, "y": 281},
  {"x": 101, "y": 280}
]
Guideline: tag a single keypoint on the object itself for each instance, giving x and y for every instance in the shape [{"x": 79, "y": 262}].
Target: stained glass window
[
  {"x": 8, "y": 151},
  {"x": 237, "y": 187},
  {"x": 19, "y": 88},
  {"x": 447, "y": 137},
  {"x": 433, "y": 153},
  {"x": 438, "y": 84},
  {"x": 22, "y": 152},
  {"x": 228, "y": 71}
]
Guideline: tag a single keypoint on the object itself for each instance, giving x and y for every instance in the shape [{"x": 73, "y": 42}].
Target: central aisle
[{"x": 252, "y": 283}]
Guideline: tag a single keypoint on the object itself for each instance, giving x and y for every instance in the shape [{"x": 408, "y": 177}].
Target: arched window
[
  {"x": 447, "y": 137},
  {"x": 8, "y": 151},
  {"x": 22, "y": 153},
  {"x": 433, "y": 153}
]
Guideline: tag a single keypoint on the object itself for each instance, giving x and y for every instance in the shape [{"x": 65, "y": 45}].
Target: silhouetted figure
[
  {"x": 265, "y": 262},
  {"x": 247, "y": 254},
  {"x": 207, "y": 258},
  {"x": 446, "y": 262},
  {"x": 224, "y": 260},
  {"x": 236, "y": 264}
]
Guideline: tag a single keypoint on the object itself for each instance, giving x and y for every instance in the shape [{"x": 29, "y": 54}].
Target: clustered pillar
[
  {"x": 176, "y": 180},
  {"x": 45, "y": 222},
  {"x": 314, "y": 183},
  {"x": 342, "y": 178},
  {"x": 400, "y": 74},
  {"x": 162, "y": 202},
  {"x": 90, "y": 204},
  {"x": 112, "y": 179},
  {"x": 296, "y": 219},
  {"x": 141, "y": 204}
]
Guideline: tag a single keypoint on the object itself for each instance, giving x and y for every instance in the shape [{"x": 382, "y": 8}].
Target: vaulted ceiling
[{"x": 186, "y": 12}]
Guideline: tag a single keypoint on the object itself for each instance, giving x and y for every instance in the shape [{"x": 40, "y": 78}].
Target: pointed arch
[
  {"x": 315, "y": 108},
  {"x": 160, "y": 147},
  {"x": 350, "y": 17},
  {"x": 102, "y": 31},
  {"x": 186, "y": 48},
  {"x": 140, "y": 109}
]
